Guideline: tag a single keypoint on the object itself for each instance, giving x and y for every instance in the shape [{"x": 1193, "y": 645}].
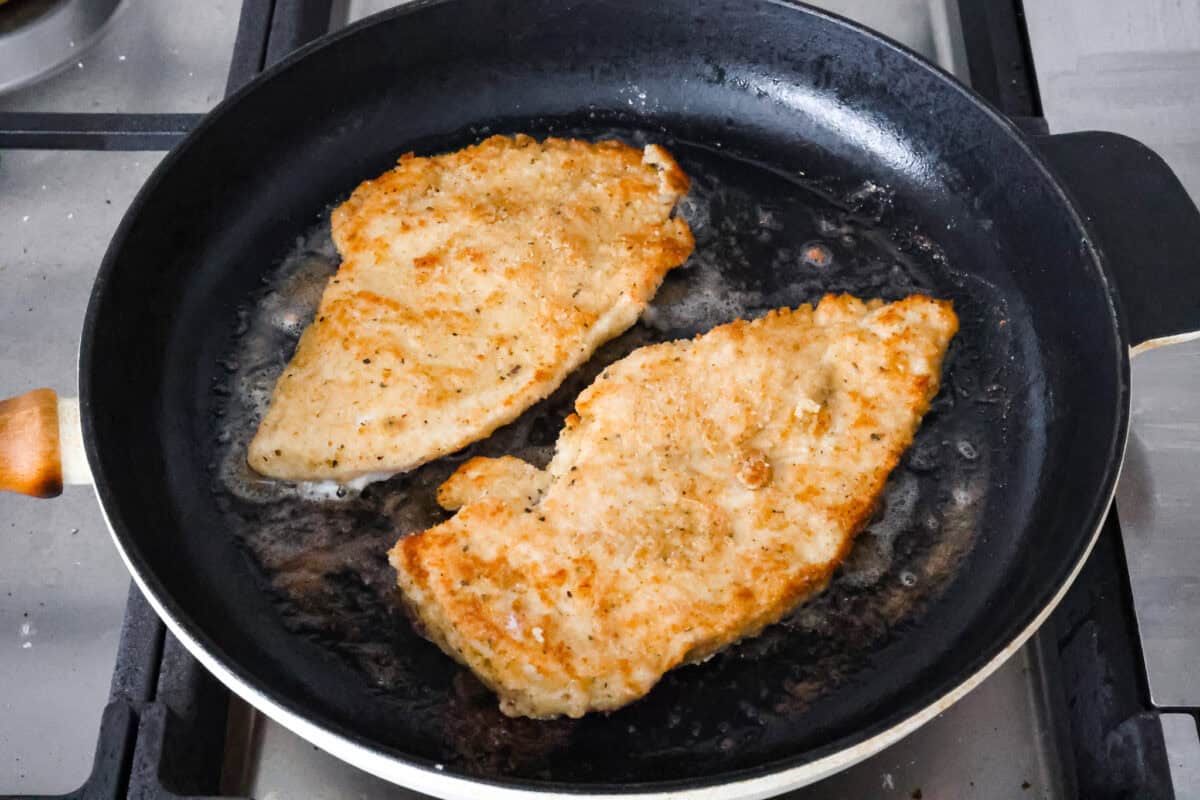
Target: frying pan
[{"x": 800, "y": 129}]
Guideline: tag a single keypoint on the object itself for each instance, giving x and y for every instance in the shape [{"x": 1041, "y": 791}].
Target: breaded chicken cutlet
[
  {"x": 471, "y": 285},
  {"x": 702, "y": 490}
]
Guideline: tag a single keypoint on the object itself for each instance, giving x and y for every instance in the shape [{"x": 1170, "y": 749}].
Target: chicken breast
[
  {"x": 701, "y": 490},
  {"x": 471, "y": 284}
]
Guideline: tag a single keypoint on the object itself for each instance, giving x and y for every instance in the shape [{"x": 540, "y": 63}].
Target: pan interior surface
[
  {"x": 764, "y": 240},
  {"x": 801, "y": 134}
]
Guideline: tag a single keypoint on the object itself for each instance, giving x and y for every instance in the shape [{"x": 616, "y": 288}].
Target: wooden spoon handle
[{"x": 30, "y": 455}]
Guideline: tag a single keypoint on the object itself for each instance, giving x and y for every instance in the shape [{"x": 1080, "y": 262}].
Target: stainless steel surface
[
  {"x": 1183, "y": 754},
  {"x": 931, "y": 27},
  {"x": 38, "y": 37},
  {"x": 158, "y": 56},
  {"x": 996, "y": 743},
  {"x": 1159, "y": 503},
  {"x": 1132, "y": 67},
  {"x": 62, "y": 586}
]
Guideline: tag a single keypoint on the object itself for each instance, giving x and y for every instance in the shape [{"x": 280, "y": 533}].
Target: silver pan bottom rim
[{"x": 38, "y": 38}]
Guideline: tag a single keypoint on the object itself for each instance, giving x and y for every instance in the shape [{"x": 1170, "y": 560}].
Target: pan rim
[{"x": 751, "y": 782}]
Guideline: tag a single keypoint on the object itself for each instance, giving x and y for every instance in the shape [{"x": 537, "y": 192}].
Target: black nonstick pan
[{"x": 824, "y": 159}]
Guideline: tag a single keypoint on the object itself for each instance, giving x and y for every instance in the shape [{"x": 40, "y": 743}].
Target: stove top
[{"x": 102, "y": 703}]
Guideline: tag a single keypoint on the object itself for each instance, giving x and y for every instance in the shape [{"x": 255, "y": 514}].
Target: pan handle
[
  {"x": 1145, "y": 225},
  {"x": 41, "y": 444}
]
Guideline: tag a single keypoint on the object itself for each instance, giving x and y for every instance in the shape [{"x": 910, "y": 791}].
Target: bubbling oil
[{"x": 763, "y": 241}]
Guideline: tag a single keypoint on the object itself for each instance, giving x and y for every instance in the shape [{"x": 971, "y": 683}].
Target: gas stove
[{"x": 100, "y": 702}]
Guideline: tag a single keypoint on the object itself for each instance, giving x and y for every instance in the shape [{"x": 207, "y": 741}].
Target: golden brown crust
[
  {"x": 703, "y": 489},
  {"x": 471, "y": 284},
  {"x": 505, "y": 478}
]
